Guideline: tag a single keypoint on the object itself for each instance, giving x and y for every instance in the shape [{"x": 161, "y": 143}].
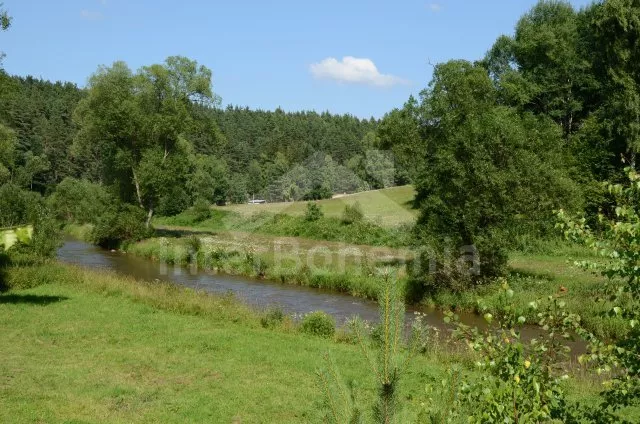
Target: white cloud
[
  {"x": 434, "y": 7},
  {"x": 353, "y": 70},
  {"x": 90, "y": 15}
]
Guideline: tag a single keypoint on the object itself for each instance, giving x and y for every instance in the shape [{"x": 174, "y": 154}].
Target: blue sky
[{"x": 350, "y": 56}]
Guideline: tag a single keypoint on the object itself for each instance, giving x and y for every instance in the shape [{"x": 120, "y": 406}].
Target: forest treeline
[{"x": 245, "y": 151}]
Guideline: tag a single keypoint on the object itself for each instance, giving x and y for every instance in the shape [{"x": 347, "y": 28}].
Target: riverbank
[
  {"x": 104, "y": 348},
  {"x": 532, "y": 276},
  {"x": 352, "y": 269}
]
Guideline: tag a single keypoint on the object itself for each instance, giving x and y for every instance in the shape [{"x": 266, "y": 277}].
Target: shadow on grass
[
  {"x": 175, "y": 233},
  {"x": 516, "y": 272},
  {"x": 30, "y": 299}
]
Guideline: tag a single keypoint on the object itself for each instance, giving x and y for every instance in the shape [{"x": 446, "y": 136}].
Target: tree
[
  {"x": 237, "y": 188},
  {"x": 79, "y": 201},
  {"x": 135, "y": 125},
  {"x": 34, "y": 165},
  {"x": 210, "y": 179},
  {"x": 5, "y": 19},
  {"x": 380, "y": 169},
  {"x": 7, "y": 153},
  {"x": 255, "y": 180},
  {"x": 5, "y": 23},
  {"x": 614, "y": 31},
  {"x": 399, "y": 132},
  {"x": 545, "y": 47},
  {"x": 491, "y": 172}
]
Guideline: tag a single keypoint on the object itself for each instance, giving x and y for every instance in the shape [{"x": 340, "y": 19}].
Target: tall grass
[
  {"x": 161, "y": 295},
  {"x": 358, "y": 280}
]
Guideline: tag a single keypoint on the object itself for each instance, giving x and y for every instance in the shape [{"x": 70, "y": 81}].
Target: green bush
[
  {"x": 273, "y": 318},
  {"x": 26, "y": 207},
  {"x": 194, "y": 244},
  {"x": 174, "y": 202},
  {"x": 313, "y": 213},
  {"x": 121, "y": 223},
  {"x": 318, "y": 324},
  {"x": 318, "y": 193},
  {"x": 201, "y": 210},
  {"x": 352, "y": 214},
  {"x": 520, "y": 380}
]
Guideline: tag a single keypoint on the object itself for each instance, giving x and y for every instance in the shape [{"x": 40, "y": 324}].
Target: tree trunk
[
  {"x": 149, "y": 216},
  {"x": 137, "y": 184}
]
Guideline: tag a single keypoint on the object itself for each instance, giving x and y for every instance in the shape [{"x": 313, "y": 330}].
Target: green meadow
[{"x": 80, "y": 346}]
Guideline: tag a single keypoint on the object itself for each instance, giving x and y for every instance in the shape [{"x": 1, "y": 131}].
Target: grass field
[
  {"x": 387, "y": 207},
  {"x": 88, "y": 347}
]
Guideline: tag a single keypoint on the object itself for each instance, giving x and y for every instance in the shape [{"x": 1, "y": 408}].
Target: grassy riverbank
[
  {"x": 547, "y": 269},
  {"x": 84, "y": 346},
  {"x": 347, "y": 269},
  {"x": 532, "y": 276}
]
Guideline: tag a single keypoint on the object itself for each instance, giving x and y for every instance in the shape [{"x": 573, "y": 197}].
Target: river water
[{"x": 261, "y": 294}]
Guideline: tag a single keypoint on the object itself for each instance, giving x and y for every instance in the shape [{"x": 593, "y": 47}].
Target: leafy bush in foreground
[
  {"x": 521, "y": 381},
  {"x": 619, "y": 244},
  {"x": 318, "y": 324}
]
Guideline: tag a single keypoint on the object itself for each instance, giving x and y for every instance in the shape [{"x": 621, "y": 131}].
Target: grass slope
[
  {"x": 362, "y": 232},
  {"x": 387, "y": 207}
]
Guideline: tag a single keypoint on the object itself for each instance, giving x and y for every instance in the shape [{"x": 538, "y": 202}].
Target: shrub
[
  {"x": 174, "y": 202},
  {"x": 318, "y": 193},
  {"x": 121, "y": 223},
  {"x": 273, "y": 318},
  {"x": 618, "y": 244},
  {"x": 318, "y": 324},
  {"x": 194, "y": 244},
  {"x": 352, "y": 214},
  {"x": 386, "y": 353},
  {"x": 25, "y": 207},
  {"x": 313, "y": 213},
  {"x": 520, "y": 381},
  {"x": 201, "y": 210}
]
